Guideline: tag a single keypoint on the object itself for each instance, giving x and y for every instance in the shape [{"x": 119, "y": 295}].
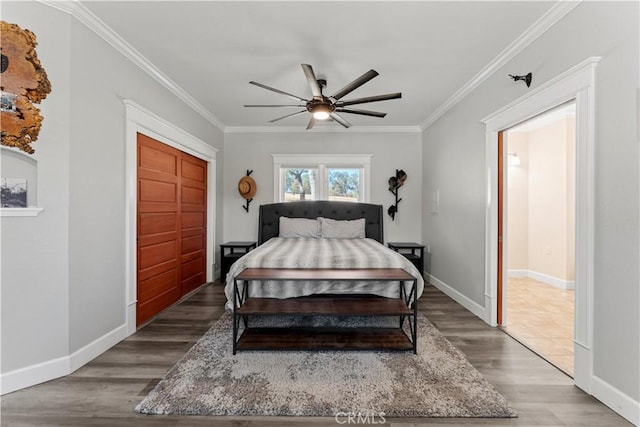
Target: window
[
  {"x": 321, "y": 177},
  {"x": 344, "y": 184},
  {"x": 299, "y": 183}
]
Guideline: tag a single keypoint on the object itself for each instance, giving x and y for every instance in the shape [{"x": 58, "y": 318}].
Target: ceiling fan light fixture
[
  {"x": 321, "y": 115},
  {"x": 321, "y": 111}
]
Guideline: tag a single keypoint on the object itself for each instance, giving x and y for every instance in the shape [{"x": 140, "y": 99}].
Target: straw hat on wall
[{"x": 247, "y": 187}]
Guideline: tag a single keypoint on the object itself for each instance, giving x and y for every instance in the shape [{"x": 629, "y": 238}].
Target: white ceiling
[{"x": 425, "y": 49}]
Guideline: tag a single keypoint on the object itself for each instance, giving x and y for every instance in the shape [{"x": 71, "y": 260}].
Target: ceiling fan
[{"x": 324, "y": 107}]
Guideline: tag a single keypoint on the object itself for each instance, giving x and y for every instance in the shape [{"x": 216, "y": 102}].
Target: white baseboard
[
  {"x": 34, "y": 374},
  {"x": 544, "y": 278},
  {"x": 92, "y": 350},
  {"x": 467, "y": 303},
  {"x": 56, "y": 368},
  {"x": 616, "y": 400}
]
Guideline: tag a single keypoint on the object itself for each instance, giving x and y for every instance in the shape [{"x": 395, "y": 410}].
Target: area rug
[{"x": 437, "y": 382}]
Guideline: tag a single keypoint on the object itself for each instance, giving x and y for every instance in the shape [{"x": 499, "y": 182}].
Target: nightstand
[
  {"x": 414, "y": 252},
  {"x": 230, "y": 252}
]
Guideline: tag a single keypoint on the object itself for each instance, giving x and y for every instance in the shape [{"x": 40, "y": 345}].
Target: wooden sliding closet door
[
  {"x": 171, "y": 226},
  {"x": 193, "y": 222}
]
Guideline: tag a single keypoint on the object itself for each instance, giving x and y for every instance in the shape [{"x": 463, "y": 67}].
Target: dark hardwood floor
[{"x": 105, "y": 391}]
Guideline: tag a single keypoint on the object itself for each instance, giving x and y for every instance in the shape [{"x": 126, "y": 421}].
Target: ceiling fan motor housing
[{"x": 317, "y": 105}]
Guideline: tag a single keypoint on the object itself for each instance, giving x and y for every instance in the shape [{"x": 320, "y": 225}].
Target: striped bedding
[{"x": 281, "y": 252}]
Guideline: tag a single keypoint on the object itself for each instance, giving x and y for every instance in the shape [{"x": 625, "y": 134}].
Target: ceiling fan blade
[
  {"x": 369, "y": 99},
  {"x": 277, "y": 91},
  {"x": 355, "y": 84},
  {"x": 283, "y": 106},
  {"x": 313, "y": 81},
  {"x": 312, "y": 121},
  {"x": 340, "y": 120},
  {"x": 288, "y": 115},
  {"x": 361, "y": 112}
]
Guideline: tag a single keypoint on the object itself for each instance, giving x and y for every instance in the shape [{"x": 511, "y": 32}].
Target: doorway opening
[
  {"x": 538, "y": 223},
  {"x": 576, "y": 83}
]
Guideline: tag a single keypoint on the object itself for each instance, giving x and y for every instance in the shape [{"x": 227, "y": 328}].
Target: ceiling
[{"x": 425, "y": 49}]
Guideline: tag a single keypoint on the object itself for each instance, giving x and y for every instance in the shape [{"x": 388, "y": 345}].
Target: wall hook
[
  {"x": 527, "y": 78},
  {"x": 247, "y": 189},
  {"x": 395, "y": 182}
]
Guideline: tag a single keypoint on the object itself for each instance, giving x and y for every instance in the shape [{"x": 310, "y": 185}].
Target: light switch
[{"x": 434, "y": 202}]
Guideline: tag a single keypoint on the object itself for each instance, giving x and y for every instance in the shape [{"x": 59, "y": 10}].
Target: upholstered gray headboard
[{"x": 269, "y": 218}]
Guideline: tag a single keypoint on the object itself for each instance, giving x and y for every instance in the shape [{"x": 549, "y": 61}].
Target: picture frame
[{"x": 13, "y": 192}]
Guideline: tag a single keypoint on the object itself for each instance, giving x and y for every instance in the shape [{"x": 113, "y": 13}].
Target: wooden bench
[{"x": 316, "y": 338}]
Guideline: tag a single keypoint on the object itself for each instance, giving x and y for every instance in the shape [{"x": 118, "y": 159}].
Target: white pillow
[
  {"x": 345, "y": 229},
  {"x": 299, "y": 227}
]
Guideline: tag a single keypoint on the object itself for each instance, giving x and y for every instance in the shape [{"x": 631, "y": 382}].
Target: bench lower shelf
[
  {"x": 404, "y": 306},
  {"x": 324, "y": 338}
]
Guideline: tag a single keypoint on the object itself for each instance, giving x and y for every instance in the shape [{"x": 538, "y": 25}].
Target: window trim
[{"x": 323, "y": 162}]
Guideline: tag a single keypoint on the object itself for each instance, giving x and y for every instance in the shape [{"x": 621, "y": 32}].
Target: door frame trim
[
  {"x": 141, "y": 120},
  {"x": 501, "y": 295},
  {"x": 577, "y": 83}
]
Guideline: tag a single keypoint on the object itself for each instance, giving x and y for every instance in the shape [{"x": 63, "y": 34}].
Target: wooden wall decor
[
  {"x": 395, "y": 182},
  {"x": 23, "y": 82}
]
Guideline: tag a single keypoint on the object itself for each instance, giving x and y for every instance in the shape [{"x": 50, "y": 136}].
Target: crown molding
[
  {"x": 546, "y": 21},
  {"x": 323, "y": 129},
  {"x": 106, "y": 33},
  {"x": 64, "y": 6}
]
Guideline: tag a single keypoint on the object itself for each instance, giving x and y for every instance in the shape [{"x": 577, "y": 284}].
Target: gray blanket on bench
[{"x": 281, "y": 252}]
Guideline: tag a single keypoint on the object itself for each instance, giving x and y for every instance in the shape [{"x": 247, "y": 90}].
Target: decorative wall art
[
  {"x": 395, "y": 182},
  {"x": 24, "y": 82},
  {"x": 13, "y": 192},
  {"x": 527, "y": 78},
  {"x": 247, "y": 188}
]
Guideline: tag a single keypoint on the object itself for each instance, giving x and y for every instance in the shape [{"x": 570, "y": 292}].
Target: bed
[{"x": 274, "y": 251}]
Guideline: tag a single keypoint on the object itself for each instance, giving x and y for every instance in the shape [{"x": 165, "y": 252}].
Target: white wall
[
  {"x": 390, "y": 151},
  {"x": 605, "y": 29},
  {"x": 63, "y": 272},
  {"x": 35, "y": 250}
]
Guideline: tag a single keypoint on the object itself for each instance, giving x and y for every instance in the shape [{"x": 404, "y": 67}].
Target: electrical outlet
[
  {"x": 547, "y": 250},
  {"x": 428, "y": 248}
]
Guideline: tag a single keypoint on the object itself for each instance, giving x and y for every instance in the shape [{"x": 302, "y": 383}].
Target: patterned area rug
[{"x": 437, "y": 382}]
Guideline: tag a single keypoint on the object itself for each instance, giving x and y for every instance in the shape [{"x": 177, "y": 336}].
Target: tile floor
[{"x": 541, "y": 317}]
